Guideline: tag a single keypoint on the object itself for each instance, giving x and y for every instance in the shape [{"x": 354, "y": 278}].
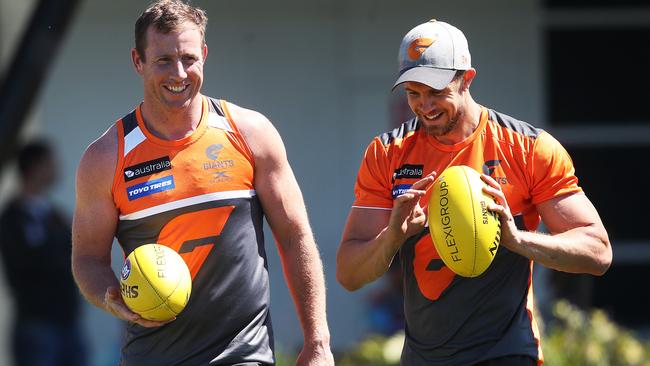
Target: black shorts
[{"x": 514, "y": 360}]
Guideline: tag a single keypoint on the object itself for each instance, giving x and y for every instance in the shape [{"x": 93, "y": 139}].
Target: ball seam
[
  {"x": 471, "y": 197},
  {"x": 144, "y": 274}
]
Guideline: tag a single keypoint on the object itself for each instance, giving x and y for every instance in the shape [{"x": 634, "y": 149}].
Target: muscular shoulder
[
  {"x": 259, "y": 133},
  {"x": 512, "y": 131},
  {"x": 248, "y": 121},
  {"x": 98, "y": 161}
]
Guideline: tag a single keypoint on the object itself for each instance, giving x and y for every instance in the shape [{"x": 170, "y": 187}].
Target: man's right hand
[
  {"x": 372, "y": 236},
  {"x": 407, "y": 217},
  {"x": 116, "y": 306}
]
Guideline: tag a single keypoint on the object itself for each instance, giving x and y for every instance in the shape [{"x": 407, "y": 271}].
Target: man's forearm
[
  {"x": 304, "y": 274},
  {"x": 93, "y": 277},
  {"x": 361, "y": 262},
  {"x": 580, "y": 250}
]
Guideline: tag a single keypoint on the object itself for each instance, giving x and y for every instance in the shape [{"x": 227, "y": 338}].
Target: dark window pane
[
  {"x": 596, "y": 76},
  {"x": 590, "y": 4},
  {"x": 616, "y": 180},
  {"x": 615, "y": 293}
]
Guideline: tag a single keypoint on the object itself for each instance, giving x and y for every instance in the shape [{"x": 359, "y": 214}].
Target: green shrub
[
  {"x": 579, "y": 338},
  {"x": 573, "y": 338},
  {"x": 376, "y": 350},
  {"x": 284, "y": 358}
]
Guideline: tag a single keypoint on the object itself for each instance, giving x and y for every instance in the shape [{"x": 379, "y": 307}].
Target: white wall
[{"x": 320, "y": 70}]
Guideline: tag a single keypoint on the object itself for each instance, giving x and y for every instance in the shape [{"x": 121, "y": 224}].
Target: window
[
  {"x": 591, "y": 4},
  {"x": 597, "y": 99},
  {"x": 597, "y": 77}
]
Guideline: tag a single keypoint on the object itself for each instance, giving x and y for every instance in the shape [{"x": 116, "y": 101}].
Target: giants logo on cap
[{"x": 418, "y": 46}]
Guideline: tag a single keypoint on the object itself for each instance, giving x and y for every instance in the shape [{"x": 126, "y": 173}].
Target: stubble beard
[{"x": 437, "y": 131}]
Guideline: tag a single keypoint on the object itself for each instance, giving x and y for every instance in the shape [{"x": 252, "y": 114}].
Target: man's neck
[{"x": 173, "y": 123}]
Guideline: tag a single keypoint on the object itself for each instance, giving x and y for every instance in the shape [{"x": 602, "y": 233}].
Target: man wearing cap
[{"x": 451, "y": 320}]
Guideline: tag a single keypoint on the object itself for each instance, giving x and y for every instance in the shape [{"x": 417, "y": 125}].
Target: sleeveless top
[{"x": 196, "y": 196}]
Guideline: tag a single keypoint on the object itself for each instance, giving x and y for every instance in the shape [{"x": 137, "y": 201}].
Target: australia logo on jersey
[
  {"x": 408, "y": 171},
  {"x": 490, "y": 168},
  {"x": 147, "y": 168}
]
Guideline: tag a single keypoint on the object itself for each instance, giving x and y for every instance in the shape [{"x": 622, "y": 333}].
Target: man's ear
[
  {"x": 137, "y": 61},
  {"x": 468, "y": 77}
]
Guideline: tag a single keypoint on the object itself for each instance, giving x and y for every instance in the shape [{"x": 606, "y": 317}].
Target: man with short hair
[
  {"x": 451, "y": 320},
  {"x": 35, "y": 247},
  {"x": 196, "y": 174}
]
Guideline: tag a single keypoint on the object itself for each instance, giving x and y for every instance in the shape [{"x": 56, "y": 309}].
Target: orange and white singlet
[{"x": 196, "y": 196}]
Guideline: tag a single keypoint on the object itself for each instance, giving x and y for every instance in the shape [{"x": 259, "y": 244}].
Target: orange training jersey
[
  {"x": 451, "y": 320},
  {"x": 196, "y": 196}
]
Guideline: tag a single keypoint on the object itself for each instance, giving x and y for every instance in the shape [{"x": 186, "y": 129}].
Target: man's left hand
[
  {"x": 315, "y": 356},
  {"x": 509, "y": 231}
]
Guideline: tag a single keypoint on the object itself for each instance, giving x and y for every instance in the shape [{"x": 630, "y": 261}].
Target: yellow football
[
  {"x": 155, "y": 282},
  {"x": 465, "y": 233}
]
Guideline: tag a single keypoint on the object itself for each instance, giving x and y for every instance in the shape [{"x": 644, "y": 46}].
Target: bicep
[
  {"x": 281, "y": 198},
  {"x": 568, "y": 212},
  {"x": 276, "y": 186},
  {"x": 95, "y": 214}
]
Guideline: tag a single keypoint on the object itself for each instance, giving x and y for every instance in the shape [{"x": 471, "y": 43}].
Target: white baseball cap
[{"x": 431, "y": 53}]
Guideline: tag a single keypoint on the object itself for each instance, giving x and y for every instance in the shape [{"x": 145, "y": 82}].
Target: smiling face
[
  {"x": 438, "y": 110},
  {"x": 172, "y": 68}
]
